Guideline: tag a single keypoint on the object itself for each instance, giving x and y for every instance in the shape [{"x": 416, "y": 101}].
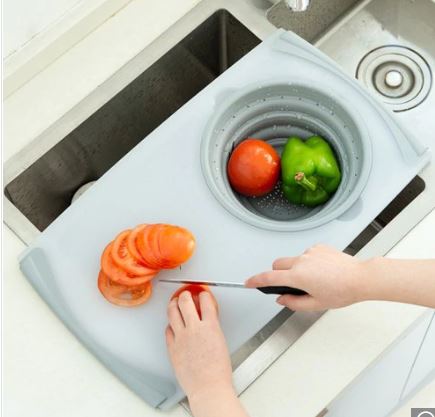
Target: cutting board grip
[{"x": 153, "y": 389}]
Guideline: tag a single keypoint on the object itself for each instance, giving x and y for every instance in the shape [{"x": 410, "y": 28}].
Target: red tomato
[
  {"x": 123, "y": 295},
  {"x": 253, "y": 168},
  {"x": 195, "y": 290}
]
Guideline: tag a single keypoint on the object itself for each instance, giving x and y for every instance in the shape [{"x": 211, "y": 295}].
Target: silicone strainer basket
[{"x": 273, "y": 112}]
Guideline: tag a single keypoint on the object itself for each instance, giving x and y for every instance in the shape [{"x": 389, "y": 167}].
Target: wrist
[
  {"x": 369, "y": 283},
  {"x": 211, "y": 392}
]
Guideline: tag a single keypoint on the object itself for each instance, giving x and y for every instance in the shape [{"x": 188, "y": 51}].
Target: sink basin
[
  {"x": 45, "y": 189},
  {"x": 41, "y": 180}
]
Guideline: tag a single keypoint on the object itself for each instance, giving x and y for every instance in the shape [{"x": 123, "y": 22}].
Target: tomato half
[
  {"x": 253, "y": 168},
  {"x": 123, "y": 295},
  {"x": 195, "y": 290},
  {"x": 123, "y": 258},
  {"x": 117, "y": 273}
]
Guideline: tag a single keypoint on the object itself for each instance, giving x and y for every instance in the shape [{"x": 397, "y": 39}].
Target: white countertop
[{"x": 48, "y": 373}]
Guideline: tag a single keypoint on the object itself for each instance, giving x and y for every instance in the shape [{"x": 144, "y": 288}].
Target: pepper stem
[{"x": 303, "y": 181}]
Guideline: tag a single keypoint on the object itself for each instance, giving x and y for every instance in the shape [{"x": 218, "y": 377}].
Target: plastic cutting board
[{"x": 160, "y": 180}]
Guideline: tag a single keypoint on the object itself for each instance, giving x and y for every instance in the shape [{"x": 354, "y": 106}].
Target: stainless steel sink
[
  {"x": 40, "y": 180},
  {"x": 45, "y": 189}
]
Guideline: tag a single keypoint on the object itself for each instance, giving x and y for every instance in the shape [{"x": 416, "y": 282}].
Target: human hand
[
  {"x": 197, "y": 348},
  {"x": 331, "y": 278}
]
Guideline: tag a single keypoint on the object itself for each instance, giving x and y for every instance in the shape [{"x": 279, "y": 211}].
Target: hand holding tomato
[{"x": 200, "y": 356}]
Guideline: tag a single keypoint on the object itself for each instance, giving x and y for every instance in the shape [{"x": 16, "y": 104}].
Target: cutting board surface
[{"x": 160, "y": 180}]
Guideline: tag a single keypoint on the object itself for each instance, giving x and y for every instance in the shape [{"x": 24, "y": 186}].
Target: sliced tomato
[
  {"x": 195, "y": 290},
  {"x": 132, "y": 244},
  {"x": 118, "y": 274},
  {"x": 123, "y": 257},
  {"x": 123, "y": 295},
  {"x": 146, "y": 248},
  {"x": 164, "y": 246},
  {"x": 175, "y": 244}
]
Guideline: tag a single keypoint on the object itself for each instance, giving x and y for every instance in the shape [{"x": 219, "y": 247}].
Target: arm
[
  {"x": 200, "y": 357},
  {"x": 333, "y": 279},
  {"x": 402, "y": 280}
]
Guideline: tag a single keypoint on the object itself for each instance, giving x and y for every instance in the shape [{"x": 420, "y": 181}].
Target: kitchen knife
[{"x": 280, "y": 290}]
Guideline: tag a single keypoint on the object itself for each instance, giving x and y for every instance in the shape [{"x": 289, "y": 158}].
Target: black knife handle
[{"x": 281, "y": 290}]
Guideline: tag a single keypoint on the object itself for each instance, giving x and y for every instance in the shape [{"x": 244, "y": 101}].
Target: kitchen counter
[{"x": 45, "y": 365}]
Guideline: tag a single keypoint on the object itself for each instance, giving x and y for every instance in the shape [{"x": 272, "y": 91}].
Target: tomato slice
[
  {"x": 146, "y": 248},
  {"x": 123, "y": 258},
  {"x": 176, "y": 245},
  {"x": 164, "y": 246},
  {"x": 195, "y": 290},
  {"x": 118, "y": 274},
  {"x": 132, "y": 244},
  {"x": 123, "y": 295}
]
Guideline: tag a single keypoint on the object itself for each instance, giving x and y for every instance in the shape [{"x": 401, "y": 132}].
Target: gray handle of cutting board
[{"x": 151, "y": 388}]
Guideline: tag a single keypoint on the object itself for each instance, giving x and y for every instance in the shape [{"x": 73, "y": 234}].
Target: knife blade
[{"x": 279, "y": 290}]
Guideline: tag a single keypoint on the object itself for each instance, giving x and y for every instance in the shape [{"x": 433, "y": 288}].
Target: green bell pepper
[{"x": 310, "y": 172}]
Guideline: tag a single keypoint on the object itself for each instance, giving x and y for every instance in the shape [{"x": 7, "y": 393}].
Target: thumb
[{"x": 299, "y": 302}]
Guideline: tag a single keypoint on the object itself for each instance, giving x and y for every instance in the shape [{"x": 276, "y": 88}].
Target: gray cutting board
[{"x": 160, "y": 180}]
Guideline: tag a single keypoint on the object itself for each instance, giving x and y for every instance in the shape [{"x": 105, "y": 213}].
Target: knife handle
[{"x": 281, "y": 290}]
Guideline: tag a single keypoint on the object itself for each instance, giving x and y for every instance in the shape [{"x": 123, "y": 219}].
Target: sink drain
[{"x": 398, "y": 75}]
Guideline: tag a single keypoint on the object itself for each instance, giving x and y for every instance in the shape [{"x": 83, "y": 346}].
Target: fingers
[
  {"x": 174, "y": 316},
  {"x": 299, "y": 302},
  {"x": 274, "y": 278},
  {"x": 284, "y": 263},
  {"x": 208, "y": 308},
  {"x": 170, "y": 337},
  {"x": 187, "y": 308}
]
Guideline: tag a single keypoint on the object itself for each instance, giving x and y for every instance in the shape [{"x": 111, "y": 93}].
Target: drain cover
[{"x": 398, "y": 75}]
